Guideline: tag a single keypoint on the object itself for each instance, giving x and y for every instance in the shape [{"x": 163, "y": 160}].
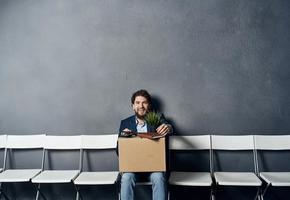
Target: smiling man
[{"x": 141, "y": 104}]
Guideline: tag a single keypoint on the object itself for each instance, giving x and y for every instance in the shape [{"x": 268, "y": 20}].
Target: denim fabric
[{"x": 158, "y": 180}]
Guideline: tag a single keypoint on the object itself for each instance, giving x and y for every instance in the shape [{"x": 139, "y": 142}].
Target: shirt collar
[{"x": 138, "y": 123}]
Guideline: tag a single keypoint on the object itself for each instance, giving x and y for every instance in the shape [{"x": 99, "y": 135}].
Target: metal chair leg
[
  {"x": 212, "y": 197},
  {"x": 259, "y": 194},
  {"x": 264, "y": 192},
  {"x": 3, "y": 193},
  {"x": 168, "y": 191},
  {"x": 77, "y": 196},
  {"x": 37, "y": 195},
  {"x": 78, "y": 192},
  {"x": 117, "y": 190},
  {"x": 39, "y": 192},
  {"x": 214, "y": 191}
]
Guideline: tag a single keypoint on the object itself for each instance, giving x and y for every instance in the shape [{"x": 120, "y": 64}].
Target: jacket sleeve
[
  {"x": 164, "y": 121},
  {"x": 122, "y": 127},
  {"x": 120, "y": 130}
]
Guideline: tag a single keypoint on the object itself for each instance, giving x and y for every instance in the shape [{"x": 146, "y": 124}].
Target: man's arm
[
  {"x": 165, "y": 127},
  {"x": 120, "y": 130},
  {"x": 122, "y": 127}
]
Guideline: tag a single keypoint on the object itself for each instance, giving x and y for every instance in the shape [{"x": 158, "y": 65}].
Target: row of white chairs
[
  {"x": 214, "y": 178},
  {"x": 46, "y": 143},
  {"x": 209, "y": 178}
]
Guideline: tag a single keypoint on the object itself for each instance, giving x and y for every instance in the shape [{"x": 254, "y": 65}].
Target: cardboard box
[{"x": 142, "y": 155}]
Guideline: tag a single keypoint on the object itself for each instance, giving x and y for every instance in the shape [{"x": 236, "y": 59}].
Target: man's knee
[
  {"x": 157, "y": 177},
  {"x": 128, "y": 178}
]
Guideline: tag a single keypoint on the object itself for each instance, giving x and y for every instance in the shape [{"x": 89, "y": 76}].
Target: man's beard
[{"x": 140, "y": 116}]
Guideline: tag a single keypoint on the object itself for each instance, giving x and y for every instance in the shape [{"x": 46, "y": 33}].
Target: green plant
[{"x": 153, "y": 119}]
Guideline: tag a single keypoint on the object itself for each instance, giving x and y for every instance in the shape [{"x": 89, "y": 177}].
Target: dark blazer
[{"x": 130, "y": 123}]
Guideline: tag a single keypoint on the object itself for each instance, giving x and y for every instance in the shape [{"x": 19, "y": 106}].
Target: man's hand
[
  {"x": 127, "y": 133},
  {"x": 164, "y": 129}
]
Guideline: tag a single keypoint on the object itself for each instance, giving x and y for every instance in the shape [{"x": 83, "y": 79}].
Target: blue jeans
[{"x": 158, "y": 180}]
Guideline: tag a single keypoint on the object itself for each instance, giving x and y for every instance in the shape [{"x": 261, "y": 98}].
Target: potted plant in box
[{"x": 153, "y": 119}]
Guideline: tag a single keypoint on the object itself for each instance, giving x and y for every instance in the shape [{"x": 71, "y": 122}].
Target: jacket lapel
[{"x": 133, "y": 125}]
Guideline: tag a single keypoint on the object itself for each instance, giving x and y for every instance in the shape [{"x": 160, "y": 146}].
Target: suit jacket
[{"x": 130, "y": 123}]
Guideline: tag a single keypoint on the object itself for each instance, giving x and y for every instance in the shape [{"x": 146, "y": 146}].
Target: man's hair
[{"x": 142, "y": 93}]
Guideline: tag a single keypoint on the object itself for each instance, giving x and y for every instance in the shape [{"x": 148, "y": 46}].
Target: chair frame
[
  {"x": 48, "y": 146},
  {"x": 270, "y": 143},
  {"x": 96, "y": 142},
  {"x": 245, "y": 146},
  {"x": 3, "y": 139},
  {"x": 19, "y": 142},
  {"x": 194, "y": 143}
]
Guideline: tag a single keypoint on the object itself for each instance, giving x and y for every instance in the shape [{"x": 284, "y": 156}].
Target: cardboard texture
[{"x": 142, "y": 155}]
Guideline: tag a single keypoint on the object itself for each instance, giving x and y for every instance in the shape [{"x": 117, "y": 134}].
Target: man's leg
[
  {"x": 159, "y": 190},
  {"x": 127, "y": 186}
]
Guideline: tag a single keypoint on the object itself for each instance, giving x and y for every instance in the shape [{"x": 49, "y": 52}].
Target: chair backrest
[
  {"x": 235, "y": 143},
  {"x": 99, "y": 141},
  {"x": 272, "y": 142},
  {"x": 61, "y": 142},
  {"x": 232, "y": 142},
  {"x": 25, "y": 141},
  {"x": 3, "y": 141},
  {"x": 193, "y": 142},
  {"x": 2, "y": 146}
]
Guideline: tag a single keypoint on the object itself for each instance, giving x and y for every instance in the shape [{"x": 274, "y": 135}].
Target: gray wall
[{"x": 213, "y": 66}]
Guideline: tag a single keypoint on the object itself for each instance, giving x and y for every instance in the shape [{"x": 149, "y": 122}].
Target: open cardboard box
[{"x": 142, "y": 155}]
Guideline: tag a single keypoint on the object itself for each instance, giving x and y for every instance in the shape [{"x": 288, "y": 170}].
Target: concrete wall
[{"x": 70, "y": 67}]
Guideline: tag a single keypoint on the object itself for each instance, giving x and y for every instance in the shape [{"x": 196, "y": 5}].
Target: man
[{"x": 141, "y": 104}]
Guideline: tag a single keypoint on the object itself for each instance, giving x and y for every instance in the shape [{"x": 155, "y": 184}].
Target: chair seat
[
  {"x": 190, "y": 178},
  {"x": 56, "y": 176},
  {"x": 276, "y": 178},
  {"x": 237, "y": 179},
  {"x": 96, "y": 178},
  {"x": 18, "y": 175}
]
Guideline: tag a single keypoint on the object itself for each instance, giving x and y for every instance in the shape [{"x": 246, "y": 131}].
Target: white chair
[
  {"x": 20, "y": 142},
  {"x": 194, "y": 179},
  {"x": 2, "y": 144},
  {"x": 273, "y": 143},
  {"x": 96, "y": 142},
  {"x": 60, "y": 144},
  {"x": 236, "y": 143}
]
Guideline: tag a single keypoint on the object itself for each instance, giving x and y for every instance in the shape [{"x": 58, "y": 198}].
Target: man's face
[{"x": 140, "y": 106}]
